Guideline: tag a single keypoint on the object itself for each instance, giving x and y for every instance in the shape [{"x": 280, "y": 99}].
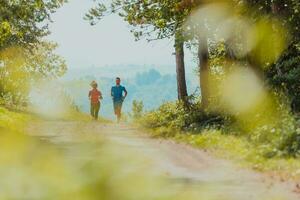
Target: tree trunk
[
  {"x": 204, "y": 72},
  {"x": 180, "y": 69},
  {"x": 277, "y": 8}
]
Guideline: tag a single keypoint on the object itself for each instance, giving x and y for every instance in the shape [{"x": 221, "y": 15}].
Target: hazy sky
[{"x": 108, "y": 43}]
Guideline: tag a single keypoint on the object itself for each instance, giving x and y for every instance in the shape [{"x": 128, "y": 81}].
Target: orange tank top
[{"x": 94, "y": 94}]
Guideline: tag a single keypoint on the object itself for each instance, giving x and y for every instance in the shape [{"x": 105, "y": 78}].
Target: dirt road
[{"x": 182, "y": 164}]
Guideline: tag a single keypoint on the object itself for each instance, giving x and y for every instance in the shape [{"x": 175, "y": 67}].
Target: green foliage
[
  {"x": 167, "y": 115},
  {"x": 137, "y": 109},
  {"x": 12, "y": 121},
  {"x": 176, "y": 117},
  {"x": 24, "y": 56},
  {"x": 22, "y": 67},
  {"x": 285, "y": 75},
  {"x": 278, "y": 136},
  {"x": 43, "y": 62},
  {"x": 24, "y": 23},
  {"x": 95, "y": 14},
  {"x": 286, "y": 10}
]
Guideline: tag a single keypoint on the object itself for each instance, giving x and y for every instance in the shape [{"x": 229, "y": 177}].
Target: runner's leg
[
  {"x": 97, "y": 108},
  {"x": 118, "y": 115},
  {"x": 115, "y": 108},
  {"x": 119, "y": 111},
  {"x": 92, "y": 110}
]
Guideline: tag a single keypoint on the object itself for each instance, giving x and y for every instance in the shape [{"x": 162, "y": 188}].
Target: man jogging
[
  {"x": 95, "y": 96},
  {"x": 118, "y": 98}
]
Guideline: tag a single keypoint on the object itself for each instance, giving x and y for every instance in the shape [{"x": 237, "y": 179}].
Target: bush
[
  {"x": 282, "y": 138},
  {"x": 176, "y": 116},
  {"x": 137, "y": 109}
]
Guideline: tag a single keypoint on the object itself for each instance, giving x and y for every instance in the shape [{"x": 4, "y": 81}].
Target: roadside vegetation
[{"x": 272, "y": 147}]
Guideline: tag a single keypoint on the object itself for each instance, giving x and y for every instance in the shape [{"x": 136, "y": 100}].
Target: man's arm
[
  {"x": 112, "y": 92},
  {"x": 90, "y": 94},
  {"x": 125, "y": 92}
]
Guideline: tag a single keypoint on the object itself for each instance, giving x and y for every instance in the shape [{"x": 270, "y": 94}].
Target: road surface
[{"x": 181, "y": 164}]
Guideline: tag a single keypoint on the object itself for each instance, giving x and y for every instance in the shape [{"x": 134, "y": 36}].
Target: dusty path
[{"x": 182, "y": 164}]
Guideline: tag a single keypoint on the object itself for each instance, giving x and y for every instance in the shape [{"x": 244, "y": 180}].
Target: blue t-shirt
[{"x": 117, "y": 92}]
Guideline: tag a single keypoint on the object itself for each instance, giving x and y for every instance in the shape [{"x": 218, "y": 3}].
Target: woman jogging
[{"x": 95, "y": 96}]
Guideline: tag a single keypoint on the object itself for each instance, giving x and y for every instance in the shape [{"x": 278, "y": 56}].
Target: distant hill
[{"x": 125, "y": 71}]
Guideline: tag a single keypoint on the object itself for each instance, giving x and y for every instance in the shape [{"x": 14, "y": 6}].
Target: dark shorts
[{"x": 118, "y": 107}]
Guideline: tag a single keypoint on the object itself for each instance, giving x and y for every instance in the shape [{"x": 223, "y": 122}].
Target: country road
[{"x": 181, "y": 164}]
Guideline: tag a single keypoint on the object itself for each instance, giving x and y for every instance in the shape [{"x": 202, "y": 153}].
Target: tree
[
  {"x": 153, "y": 19},
  {"x": 180, "y": 68},
  {"x": 24, "y": 55},
  {"x": 203, "y": 56},
  {"x": 196, "y": 29},
  {"x": 24, "y": 23},
  {"x": 21, "y": 67},
  {"x": 42, "y": 62}
]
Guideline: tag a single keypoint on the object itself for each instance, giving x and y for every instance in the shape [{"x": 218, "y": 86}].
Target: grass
[
  {"x": 13, "y": 121},
  {"x": 237, "y": 149}
]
